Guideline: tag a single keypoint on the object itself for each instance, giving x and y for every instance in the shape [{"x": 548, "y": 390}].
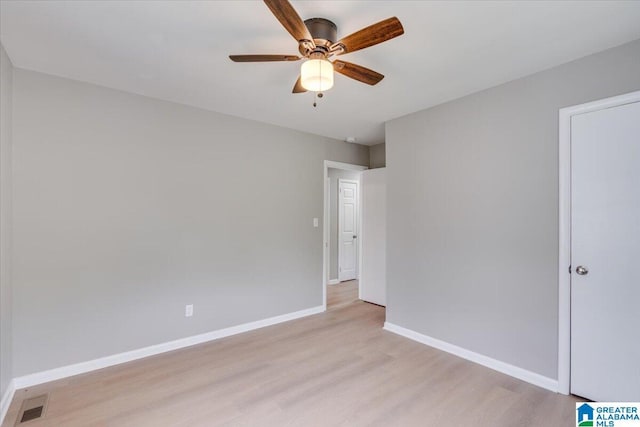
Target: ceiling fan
[{"x": 317, "y": 42}]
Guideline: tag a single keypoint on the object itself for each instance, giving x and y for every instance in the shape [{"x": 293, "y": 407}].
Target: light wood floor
[
  {"x": 337, "y": 368},
  {"x": 342, "y": 293}
]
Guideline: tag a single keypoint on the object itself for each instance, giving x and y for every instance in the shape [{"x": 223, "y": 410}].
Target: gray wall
[
  {"x": 377, "y": 156},
  {"x": 334, "y": 175},
  {"x": 6, "y": 88},
  {"x": 127, "y": 208},
  {"x": 473, "y": 210}
]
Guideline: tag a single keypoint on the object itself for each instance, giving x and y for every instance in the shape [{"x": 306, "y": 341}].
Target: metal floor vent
[{"x": 32, "y": 409}]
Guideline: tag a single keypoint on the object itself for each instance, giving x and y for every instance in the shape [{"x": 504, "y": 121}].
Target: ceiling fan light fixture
[{"x": 316, "y": 75}]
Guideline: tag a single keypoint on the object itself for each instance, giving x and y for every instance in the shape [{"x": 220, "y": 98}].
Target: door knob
[
  {"x": 582, "y": 270},
  {"x": 354, "y": 236}
]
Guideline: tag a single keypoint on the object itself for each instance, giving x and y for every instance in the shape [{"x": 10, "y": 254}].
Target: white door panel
[
  {"x": 347, "y": 230},
  {"x": 605, "y": 239},
  {"x": 373, "y": 286}
]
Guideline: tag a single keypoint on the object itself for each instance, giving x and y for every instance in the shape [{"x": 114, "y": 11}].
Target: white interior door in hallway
[
  {"x": 347, "y": 230},
  {"x": 605, "y": 254}
]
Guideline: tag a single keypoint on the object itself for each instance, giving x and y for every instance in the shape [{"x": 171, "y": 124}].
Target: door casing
[{"x": 564, "y": 229}]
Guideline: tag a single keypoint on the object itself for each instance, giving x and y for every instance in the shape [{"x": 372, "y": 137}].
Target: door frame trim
[
  {"x": 564, "y": 226},
  {"x": 325, "y": 222},
  {"x": 358, "y": 229}
]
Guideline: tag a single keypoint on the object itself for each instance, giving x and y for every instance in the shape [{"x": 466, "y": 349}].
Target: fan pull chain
[{"x": 318, "y": 95}]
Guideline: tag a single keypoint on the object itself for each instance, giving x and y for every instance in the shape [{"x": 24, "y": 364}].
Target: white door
[
  {"x": 347, "y": 229},
  {"x": 373, "y": 285},
  {"x": 605, "y": 254}
]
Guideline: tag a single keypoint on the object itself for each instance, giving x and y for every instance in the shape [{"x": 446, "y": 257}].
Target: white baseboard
[
  {"x": 496, "y": 365},
  {"x": 7, "y": 397},
  {"x": 334, "y": 281},
  {"x": 103, "y": 362}
]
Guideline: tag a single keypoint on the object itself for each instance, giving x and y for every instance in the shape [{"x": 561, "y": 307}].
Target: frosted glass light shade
[{"x": 316, "y": 75}]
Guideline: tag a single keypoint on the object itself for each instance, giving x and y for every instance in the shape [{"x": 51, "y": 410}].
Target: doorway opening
[{"x": 342, "y": 252}]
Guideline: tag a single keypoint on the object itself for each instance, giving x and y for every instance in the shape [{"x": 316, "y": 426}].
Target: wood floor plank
[
  {"x": 338, "y": 368},
  {"x": 342, "y": 293}
]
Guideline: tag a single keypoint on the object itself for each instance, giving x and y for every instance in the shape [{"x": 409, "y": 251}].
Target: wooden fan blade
[
  {"x": 297, "y": 88},
  {"x": 357, "y": 72},
  {"x": 371, "y": 35},
  {"x": 290, "y": 20},
  {"x": 263, "y": 58}
]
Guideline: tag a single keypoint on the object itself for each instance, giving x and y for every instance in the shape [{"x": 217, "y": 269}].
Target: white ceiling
[{"x": 178, "y": 51}]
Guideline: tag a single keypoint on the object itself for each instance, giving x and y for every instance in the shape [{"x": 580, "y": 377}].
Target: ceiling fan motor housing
[{"x": 323, "y": 31}]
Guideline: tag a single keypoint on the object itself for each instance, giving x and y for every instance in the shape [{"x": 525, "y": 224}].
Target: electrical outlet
[
  {"x": 315, "y": 222},
  {"x": 188, "y": 310}
]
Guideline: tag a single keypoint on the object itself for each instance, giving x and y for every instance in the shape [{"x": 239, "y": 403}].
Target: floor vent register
[{"x": 32, "y": 409}]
